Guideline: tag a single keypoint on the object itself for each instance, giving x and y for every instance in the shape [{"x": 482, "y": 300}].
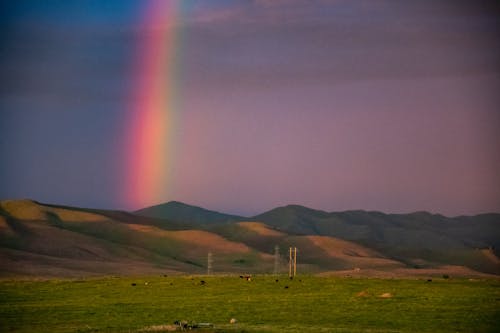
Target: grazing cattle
[{"x": 247, "y": 277}]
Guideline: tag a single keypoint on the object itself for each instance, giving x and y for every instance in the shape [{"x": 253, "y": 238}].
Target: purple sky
[{"x": 337, "y": 105}]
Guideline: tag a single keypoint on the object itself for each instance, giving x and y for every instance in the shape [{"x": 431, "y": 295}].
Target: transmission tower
[{"x": 210, "y": 262}]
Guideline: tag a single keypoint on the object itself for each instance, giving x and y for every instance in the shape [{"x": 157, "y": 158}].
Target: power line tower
[
  {"x": 292, "y": 262},
  {"x": 210, "y": 262},
  {"x": 276, "y": 260}
]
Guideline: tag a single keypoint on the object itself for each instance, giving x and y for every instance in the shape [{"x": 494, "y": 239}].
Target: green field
[{"x": 306, "y": 304}]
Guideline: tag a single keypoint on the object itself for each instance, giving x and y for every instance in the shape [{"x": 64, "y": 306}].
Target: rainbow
[{"x": 152, "y": 117}]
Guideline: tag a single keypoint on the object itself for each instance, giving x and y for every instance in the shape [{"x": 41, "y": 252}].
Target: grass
[{"x": 309, "y": 304}]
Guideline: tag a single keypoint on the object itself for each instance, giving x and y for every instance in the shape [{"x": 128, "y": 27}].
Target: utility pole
[
  {"x": 276, "y": 260},
  {"x": 209, "y": 263},
  {"x": 292, "y": 262}
]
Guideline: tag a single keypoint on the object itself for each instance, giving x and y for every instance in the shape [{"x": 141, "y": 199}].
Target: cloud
[
  {"x": 262, "y": 46},
  {"x": 262, "y": 12},
  {"x": 56, "y": 68}
]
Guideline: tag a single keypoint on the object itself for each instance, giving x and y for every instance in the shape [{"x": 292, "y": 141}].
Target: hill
[
  {"x": 48, "y": 240},
  {"x": 419, "y": 239},
  {"x": 51, "y": 240}
]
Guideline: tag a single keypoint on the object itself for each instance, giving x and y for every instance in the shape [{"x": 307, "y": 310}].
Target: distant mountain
[
  {"x": 51, "y": 240},
  {"x": 418, "y": 239},
  {"x": 181, "y": 212}
]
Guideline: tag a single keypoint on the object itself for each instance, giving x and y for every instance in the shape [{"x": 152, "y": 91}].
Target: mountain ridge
[{"x": 179, "y": 211}]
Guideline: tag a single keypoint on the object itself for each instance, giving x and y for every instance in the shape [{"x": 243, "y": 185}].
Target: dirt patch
[
  {"x": 385, "y": 295},
  {"x": 363, "y": 294}
]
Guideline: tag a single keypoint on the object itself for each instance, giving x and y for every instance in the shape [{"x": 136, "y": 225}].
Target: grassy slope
[{"x": 311, "y": 304}]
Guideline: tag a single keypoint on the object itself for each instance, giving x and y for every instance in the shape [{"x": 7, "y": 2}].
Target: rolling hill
[
  {"x": 50, "y": 240},
  {"x": 418, "y": 239}
]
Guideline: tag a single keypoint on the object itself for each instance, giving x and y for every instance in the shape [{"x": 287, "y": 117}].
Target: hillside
[
  {"x": 37, "y": 239},
  {"x": 51, "y": 240},
  {"x": 419, "y": 239}
]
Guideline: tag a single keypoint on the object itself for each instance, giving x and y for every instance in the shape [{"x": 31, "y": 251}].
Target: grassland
[{"x": 306, "y": 304}]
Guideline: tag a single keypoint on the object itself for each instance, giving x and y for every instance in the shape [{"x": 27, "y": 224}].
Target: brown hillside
[
  {"x": 30, "y": 210},
  {"x": 194, "y": 238},
  {"x": 340, "y": 248},
  {"x": 23, "y": 209},
  {"x": 54, "y": 241},
  {"x": 209, "y": 240},
  {"x": 261, "y": 229},
  {"x": 354, "y": 254}
]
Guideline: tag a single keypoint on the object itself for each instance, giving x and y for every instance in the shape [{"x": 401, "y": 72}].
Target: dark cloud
[
  {"x": 66, "y": 76},
  {"x": 82, "y": 65},
  {"x": 339, "y": 40}
]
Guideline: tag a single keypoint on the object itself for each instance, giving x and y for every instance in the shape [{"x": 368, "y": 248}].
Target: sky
[{"x": 333, "y": 104}]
